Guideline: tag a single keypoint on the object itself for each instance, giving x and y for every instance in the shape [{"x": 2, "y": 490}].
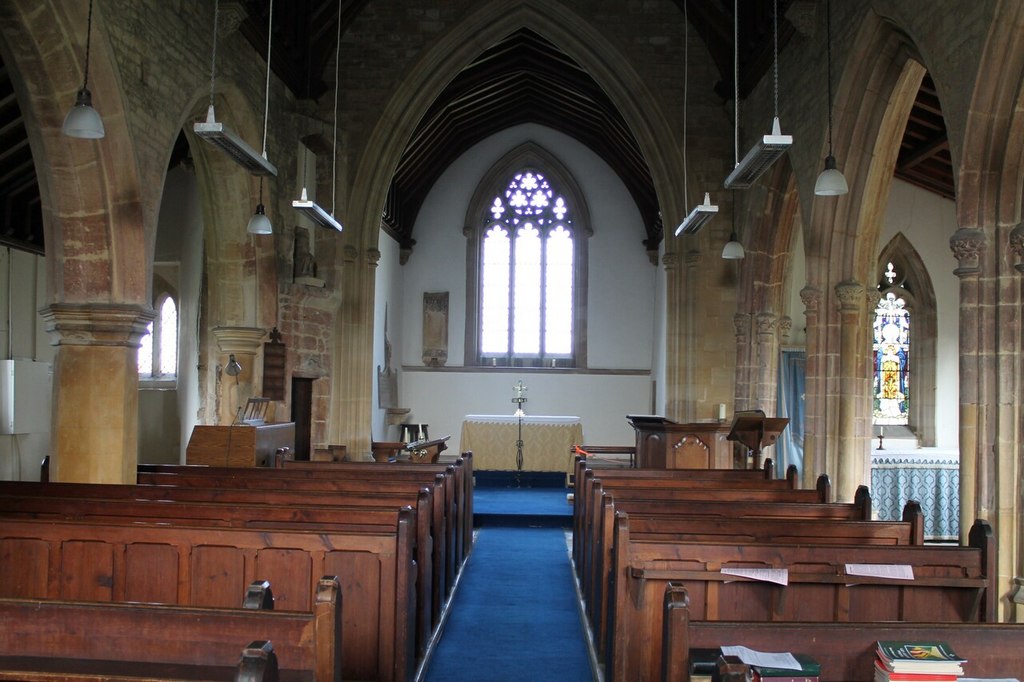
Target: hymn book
[{"x": 936, "y": 658}]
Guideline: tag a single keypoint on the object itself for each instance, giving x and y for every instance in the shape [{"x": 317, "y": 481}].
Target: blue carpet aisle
[{"x": 514, "y": 616}]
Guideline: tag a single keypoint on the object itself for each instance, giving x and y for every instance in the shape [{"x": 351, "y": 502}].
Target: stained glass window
[
  {"x": 891, "y": 361},
  {"x": 527, "y": 273}
]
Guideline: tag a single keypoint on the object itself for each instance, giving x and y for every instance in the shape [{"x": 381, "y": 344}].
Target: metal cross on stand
[{"x": 519, "y": 400}]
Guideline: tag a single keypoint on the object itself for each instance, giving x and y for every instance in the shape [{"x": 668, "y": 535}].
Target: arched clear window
[
  {"x": 527, "y": 275},
  {"x": 891, "y": 358},
  {"x": 158, "y": 352}
]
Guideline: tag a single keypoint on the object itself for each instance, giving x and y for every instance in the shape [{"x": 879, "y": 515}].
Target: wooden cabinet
[
  {"x": 664, "y": 444},
  {"x": 238, "y": 445}
]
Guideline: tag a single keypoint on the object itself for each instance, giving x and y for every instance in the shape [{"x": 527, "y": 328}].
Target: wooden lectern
[
  {"x": 664, "y": 444},
  {"x": 756, "y": 431}
]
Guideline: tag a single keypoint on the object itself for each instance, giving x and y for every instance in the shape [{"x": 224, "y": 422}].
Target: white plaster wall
[
  {"x": 387, "y": 300},
  {"x": 928, "y": 221},
  {"x": 623, "y": 302}
]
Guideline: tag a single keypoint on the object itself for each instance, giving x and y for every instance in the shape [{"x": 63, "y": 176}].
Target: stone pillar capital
[
  {"x": 765, "y": 323},
  {"x": 372, "y": 257},
  {"x": 1017, "y": 247},
  {"x": 693, "y": 258},
  {"x": 350, "y": 254},
  {"x": 670, "y": 260},
  {"x": 97, "y": 324},
  {"x": 850, "y": 295},
  {"x": 785, "y": 327},
  {"x": 741, "y": 323},
  {"x": 967, "y": 244},
  {"x": 811, "y": 298},
  {"x": 239, "y": 339}
]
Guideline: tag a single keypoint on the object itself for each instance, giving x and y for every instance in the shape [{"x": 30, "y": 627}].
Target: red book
[{"x": 884, "y": 674}]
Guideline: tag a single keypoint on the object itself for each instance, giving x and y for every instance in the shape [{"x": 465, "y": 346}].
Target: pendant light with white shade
[
  {"x": 831, "y": 182},
  {"x": 733, "y": 249},
  {"x": 259, "y": 223},
  {"x": 82, "y": 120}
]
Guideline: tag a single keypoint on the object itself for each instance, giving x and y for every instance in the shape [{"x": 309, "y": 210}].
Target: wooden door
[{"x": 302, "y": 415}]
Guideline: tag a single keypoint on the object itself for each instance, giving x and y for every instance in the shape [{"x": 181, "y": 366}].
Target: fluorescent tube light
[
  {"x": 760, "y": 157},
  {"x": 312, "y": 211},
  {"x": 698, "y": 217},
  {"x": 231, "y": 144}
]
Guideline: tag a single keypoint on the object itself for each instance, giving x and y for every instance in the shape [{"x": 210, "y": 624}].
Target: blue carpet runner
[{"x": 514, "y": 616}]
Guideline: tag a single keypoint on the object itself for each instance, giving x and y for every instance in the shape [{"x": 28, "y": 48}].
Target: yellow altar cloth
[{"x": 546, "y": 441}]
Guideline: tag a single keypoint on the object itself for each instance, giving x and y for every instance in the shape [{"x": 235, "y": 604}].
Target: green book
[{"x": 900, "y": 656}]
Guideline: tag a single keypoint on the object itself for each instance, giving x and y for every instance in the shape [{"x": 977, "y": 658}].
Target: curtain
[{"x": 789, "y": 448}]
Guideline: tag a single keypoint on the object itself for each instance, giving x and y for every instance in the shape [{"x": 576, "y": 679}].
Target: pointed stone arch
[{"x": 915, "y": 287}]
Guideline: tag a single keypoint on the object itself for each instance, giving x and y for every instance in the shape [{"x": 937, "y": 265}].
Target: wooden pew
[
  {"x": 846, "y": 651},
  {"x": 588, "y": 531},
  {"x": 238, "y": 508},
  {"x": 463, "y": 482},
  {"x": 191, "y": 565},
  {"x": 76, "y": 640},
  {"x": 454, "y": 504},
  {"x": 951, "y": 584},
  {"x": 443, "y": 515},
  {"x": 698, "y": 527}
]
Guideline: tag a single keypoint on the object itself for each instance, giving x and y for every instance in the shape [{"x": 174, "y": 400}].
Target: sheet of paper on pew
[
  {"x": 894, "y": 571},
  {"x": 777, "y": 667},
  {"x": 779, "y": 576}
]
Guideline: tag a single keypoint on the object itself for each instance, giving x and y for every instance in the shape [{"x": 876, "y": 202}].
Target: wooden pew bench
[
  {"x": 243, "y": 508},
  {"x": 68, "y": 640},
  {"x": 951, "y": 584},
  {"x": 670, "y": 528},
  {"x": 846, "y": 651},
  {"x": 189, "y": 565},
  {"x": 587, "y": 504},
  {"x": 449, "y": 513}
]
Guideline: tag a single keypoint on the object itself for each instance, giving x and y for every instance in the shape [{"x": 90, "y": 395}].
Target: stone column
[
  {"x": 743, "y": 391},
  {"x": 1015, "y": 460},
  {"x": 767, "y": 361},
  {"x": 850, "y": 458},
  {"x": 233, "y": 392},
  {"x": 674, "y": 330},
  {"x": 95, "y": 421},
  {"x": 814, "y": 438},
  {"x": 352, "y": 377},
  {"x": 967, "y": 245}
]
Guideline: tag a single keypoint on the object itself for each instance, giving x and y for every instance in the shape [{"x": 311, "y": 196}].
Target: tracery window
[
  {"x": 158, "y": 352},
  {"x": 527, "y": 275},
  {"x": 891, "y": 359}
]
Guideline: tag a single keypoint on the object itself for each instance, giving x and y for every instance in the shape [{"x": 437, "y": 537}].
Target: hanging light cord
[
  {"x": 736, "y": 82},
  {"x": 213, "y": 59},
  {"x": 334, "y": 157},
  {"x": 88, "y": 44},
  {"x": 775, "y": 46},
  {"x": 828, "y": 61},
  {"x": 266, "y": 98},
  {"x": 686, "y": 85}
]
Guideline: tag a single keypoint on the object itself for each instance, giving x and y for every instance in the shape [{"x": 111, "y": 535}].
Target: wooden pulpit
[{"x": 665, "y": 444}]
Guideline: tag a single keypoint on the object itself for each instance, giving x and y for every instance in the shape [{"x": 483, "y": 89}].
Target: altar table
[
  {"x": 546, "y": 442},
  {"x": 931, "y": 479}
]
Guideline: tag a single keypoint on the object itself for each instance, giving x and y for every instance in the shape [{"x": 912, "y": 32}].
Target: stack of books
[
  {"x": 917, "y": 662},
  {"x": 810, "y": 671}
]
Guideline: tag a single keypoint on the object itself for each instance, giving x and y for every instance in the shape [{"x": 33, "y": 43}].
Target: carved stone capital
[
  {"x": 850, "y": 295},
  {"x": 693, "y": 258},
  {"x": 967, "y": 244},
  {"x": 670, "y": 260},
  {"x": 97, "y": 324},
  {"x": 765, "y": 323},
  {"x": 245, "y": 340},
  {"x": 349, "y": 254},
  {"x": 811, "y": 297},
  {"x": 372, "y": 257},
  {"x": 741, "y": 323},
  {"x": 785, "y": 327},
  {"x": 1017, "y": 247}
]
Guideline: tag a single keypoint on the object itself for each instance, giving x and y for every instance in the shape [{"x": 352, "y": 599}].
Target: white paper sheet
[
  {"x": 763, "y": 659},
  {"x": 894, "y": 571},
  {"x": 779, "y": 576}
]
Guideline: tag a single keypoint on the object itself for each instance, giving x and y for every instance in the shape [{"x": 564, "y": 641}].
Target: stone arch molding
[
  {"x": 484, "y": 27},
  {"x": 94, "y": 220},
  {"x": 917, "y": 290}
]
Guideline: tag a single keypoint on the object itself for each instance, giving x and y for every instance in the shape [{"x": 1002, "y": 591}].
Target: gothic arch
[
  {"x": 915, "y": 287},
  {"x": 94, "y": 220},
  {"x": 535, "y": 157}
]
